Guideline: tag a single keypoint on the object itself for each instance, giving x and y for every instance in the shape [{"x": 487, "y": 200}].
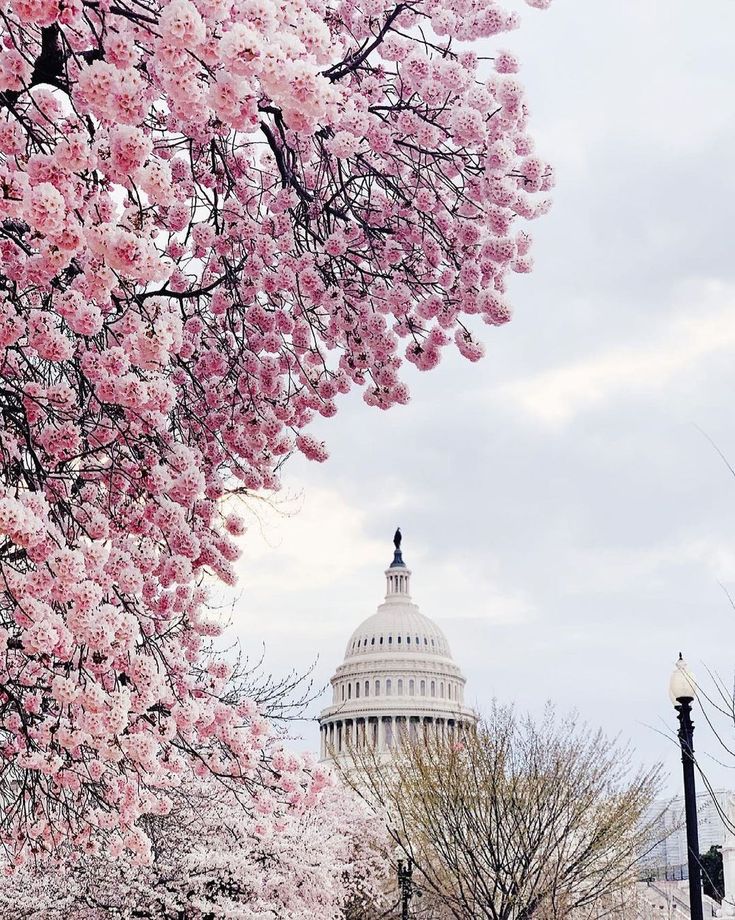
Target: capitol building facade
[{"x": 398, "y": 678}]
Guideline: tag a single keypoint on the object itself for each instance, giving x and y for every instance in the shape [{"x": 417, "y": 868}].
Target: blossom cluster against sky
[{"x": 568, "y": 521}]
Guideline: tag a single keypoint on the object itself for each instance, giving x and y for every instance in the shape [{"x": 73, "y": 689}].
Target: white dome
[
  {"x": 398, "y": 674},
  {"x": 397, "y": 629}
]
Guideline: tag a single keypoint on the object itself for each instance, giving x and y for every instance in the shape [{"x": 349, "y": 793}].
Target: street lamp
[
  {"x": 405, "y": 885},
  {"x": 682, "y": 693}
]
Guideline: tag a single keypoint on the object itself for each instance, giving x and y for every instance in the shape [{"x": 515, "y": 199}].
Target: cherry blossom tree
[
  {"x": 215, "y": 219},
  {"x": 212, "y": 859}
]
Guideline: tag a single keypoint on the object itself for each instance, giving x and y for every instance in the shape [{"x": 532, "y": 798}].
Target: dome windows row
[
  {"x": 437, "y": 689},
  {"x": 414, "y": 642}
]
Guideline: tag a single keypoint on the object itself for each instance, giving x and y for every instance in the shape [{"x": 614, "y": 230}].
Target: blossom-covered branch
[{"x": 215, "y": 219}]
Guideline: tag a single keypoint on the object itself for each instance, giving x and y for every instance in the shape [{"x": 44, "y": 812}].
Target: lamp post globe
[
  {"x": 682, "y": 692},
  {"x": 682, "y": 684}
]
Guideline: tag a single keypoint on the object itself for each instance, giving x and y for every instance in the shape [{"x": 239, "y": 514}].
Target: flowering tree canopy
[
  {"x": 213, "y": 860},
  {"x": 215, "y": 217}
]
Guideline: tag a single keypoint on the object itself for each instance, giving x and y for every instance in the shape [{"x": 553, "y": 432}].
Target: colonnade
[{"x": 382, "y": 732}]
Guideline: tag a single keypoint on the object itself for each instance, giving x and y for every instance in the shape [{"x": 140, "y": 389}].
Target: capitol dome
[{"x": 398, "y": 675}]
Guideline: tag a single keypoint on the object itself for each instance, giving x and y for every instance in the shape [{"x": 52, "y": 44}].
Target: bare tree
[
  {"x": 636, "y": 901},
  {"x": 516, "y": 819}
]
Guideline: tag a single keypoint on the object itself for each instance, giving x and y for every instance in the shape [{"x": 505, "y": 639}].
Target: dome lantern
[{"x": 397, "y": 575}]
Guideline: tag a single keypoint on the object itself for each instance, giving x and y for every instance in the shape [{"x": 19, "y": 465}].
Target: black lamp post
[
  {"x": 405, "y": 885},
  {"x": 682, "y": 693}
]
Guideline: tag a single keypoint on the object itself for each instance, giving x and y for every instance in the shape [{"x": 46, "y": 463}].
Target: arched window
[
  {"x": 408, "y": 640},
  {"x": 372, "y": 641},
  {"x": 399, "y": 640},
  {"x": 433, "y": 688},
  {"x": 349, "y": 691},
  {"x": 417, "y": 640},
  {"x": 400, "y": 686},
  {"x": 357, "y": 689},
  {"x": 381, "y": 640},
  {"x": 390, "y": 640},
  {"x": 343, "y": 692},
  {"x": 411, "y": 687},
  {"x": 441, "y": 689},
  {"x": 367, "y": 688},
  {"x": 423, "y": 688},
  {"x": 449, "y": 691},
  {"x": 388, "y": 687},
  {"x": 377, "y": 688},
  {"x": 426, "y": 641}
]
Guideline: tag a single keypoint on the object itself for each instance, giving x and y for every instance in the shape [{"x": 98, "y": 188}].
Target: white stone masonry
[{"x": 398, "y": 675}]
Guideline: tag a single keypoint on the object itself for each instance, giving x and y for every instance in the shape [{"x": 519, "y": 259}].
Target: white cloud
[
  {"x": 305, "y": 541},
  {"x": 459, "y": 590},
  {"x": 607, "y": 570},
  {"x": 558, "y": 395},
  {"x": 310, "y": 567}
]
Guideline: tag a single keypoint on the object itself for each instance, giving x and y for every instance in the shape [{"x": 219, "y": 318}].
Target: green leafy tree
[{"x": 713, "y": 881}]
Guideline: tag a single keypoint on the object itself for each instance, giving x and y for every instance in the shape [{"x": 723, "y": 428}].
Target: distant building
[
  {"x": 667, "y": 901},
  {"x": 668, "y": 858},
  {"x": 398, "y": 677}
]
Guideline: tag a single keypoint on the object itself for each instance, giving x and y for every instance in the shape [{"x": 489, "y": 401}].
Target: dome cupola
[{"x": 398, "y": 674}]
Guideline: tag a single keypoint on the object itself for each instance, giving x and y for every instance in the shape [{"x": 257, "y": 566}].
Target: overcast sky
[{"x": 567, "y": 522}]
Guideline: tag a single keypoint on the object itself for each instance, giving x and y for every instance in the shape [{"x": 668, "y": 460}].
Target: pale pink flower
[{"x": 44, "y": 208}]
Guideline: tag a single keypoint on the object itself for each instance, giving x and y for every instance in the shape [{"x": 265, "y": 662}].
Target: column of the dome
[
  {"x": 398, "y": 583},
  {"x": 381, "y": 734}
]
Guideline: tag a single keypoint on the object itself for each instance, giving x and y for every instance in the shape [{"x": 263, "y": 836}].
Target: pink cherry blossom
[
  {"x": 44, "y": 208},
  {"x": 218, "y": 220},
  {"x": 216, "y": 858}
]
